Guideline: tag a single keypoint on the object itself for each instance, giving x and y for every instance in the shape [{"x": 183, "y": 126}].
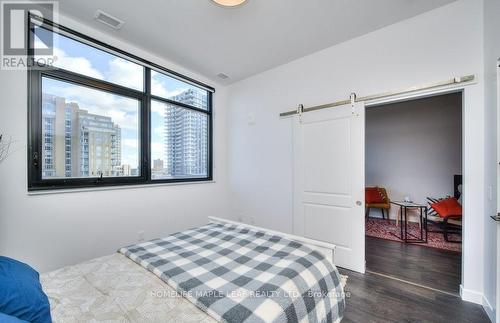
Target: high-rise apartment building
[
  {"x": 186, "y": 133},
  {"x": 158, "y": 170},
  {"x": 77, "y": 143}
]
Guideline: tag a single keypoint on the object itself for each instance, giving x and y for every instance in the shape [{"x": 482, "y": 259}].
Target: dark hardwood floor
[
  {"x": 374, "y": 298},
  {"x": 435, "y": 268}
]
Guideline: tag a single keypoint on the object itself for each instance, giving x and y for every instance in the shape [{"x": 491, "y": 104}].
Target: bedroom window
[{"x": 100, "y": 117}]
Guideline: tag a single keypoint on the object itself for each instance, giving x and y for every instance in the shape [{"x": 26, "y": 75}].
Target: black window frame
[{"x": 35, "y": 140}]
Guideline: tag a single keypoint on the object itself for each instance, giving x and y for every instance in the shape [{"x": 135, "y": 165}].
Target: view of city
[
  {"x": 78, "y": 143},
  {"x": 185, "y": 139}
]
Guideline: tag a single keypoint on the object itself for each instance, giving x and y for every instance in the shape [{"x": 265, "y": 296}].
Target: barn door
[{"x": 329, "y": 180}]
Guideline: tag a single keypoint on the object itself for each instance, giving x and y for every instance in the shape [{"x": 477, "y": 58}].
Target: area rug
[{"x": 380, "y": 228}]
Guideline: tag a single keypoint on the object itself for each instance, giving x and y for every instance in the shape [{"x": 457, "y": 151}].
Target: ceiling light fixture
[{"x": 229, "y": 3}]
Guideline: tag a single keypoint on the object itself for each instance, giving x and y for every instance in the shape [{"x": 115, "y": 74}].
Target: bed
[{"x": 221, "y": 272}]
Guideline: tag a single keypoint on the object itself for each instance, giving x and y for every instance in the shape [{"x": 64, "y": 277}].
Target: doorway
[{"x": 413, "y": 168}]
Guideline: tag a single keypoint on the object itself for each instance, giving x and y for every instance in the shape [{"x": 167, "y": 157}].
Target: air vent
[
  {"x": 108, "y": 20},
  {"x": 222, "y": 76}
]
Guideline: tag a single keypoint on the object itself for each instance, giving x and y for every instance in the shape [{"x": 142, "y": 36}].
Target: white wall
[
  {"x": 491, "y": 55},
  {"x": 50, "y": 231},
  {"x": 413, "y": 148},
  {"x": 431, "y": 47}
]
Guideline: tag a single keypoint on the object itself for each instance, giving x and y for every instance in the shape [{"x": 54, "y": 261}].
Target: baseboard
[
  {"x": 490, "y": 311},
  {"x": 471, "y": 295}
]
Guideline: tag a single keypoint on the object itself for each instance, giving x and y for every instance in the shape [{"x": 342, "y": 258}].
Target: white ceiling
[{"x": 240, "y": 42}]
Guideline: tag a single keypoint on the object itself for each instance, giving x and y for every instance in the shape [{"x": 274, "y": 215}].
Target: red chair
[
  {"x": 377, "y": 198},
  {"x": 447, "y": 214}
]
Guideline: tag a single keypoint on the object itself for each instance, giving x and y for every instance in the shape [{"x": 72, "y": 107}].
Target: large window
[{"x": 100, "y": 117}]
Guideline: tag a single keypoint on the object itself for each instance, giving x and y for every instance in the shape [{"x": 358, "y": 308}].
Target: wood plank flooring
[
  {"x": 376, "y": 298},
  {"x": 436, "y": 268},
  {"x": 373, "y": 298}
]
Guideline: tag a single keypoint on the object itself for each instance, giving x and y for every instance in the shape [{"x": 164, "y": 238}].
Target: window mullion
[
  {"x": 146, "y": 125},
  {"x": 35, "y": 162}
]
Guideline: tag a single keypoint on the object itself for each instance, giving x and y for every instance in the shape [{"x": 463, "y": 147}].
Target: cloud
[
  {"x": 75, "y": 64},
  {"x": 125, "y": 73},
  {"x": 159, "y": 89},
  {"x": 158, "y": 108},
  {"x": 157, "y": 150},
  {"x": 123, "y": 111},
  {"x": 131, "y": 143},
  {"x": 159, "y": 86}
]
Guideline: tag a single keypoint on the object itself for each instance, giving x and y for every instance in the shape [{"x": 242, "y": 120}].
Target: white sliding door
[{"x": 329, "y": 180}]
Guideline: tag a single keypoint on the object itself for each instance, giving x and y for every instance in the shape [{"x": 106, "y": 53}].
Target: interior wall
[
  {"x": 431, "y": 47},
  {"x": 491, "y": 229},
  {"x": 53, "y": 230},
  {"x": 413, "y": 148}
]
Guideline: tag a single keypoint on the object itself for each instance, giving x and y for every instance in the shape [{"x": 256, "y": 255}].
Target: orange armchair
[{"x": 377, "y": 198}]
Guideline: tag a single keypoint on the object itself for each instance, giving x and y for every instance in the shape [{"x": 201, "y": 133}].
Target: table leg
[
  {"x": 406, "y": 223},
  {"x": 426, "y": 230},
  {"x": 401, "y": 220},
  {"x": 421, "y": 227}
]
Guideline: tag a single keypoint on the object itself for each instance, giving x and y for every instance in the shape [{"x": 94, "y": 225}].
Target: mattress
[
  {"x": 115, "y": 289},
  {"x": 241, "y": 274}
]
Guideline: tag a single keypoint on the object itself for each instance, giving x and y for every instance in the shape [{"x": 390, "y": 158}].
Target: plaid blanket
[{"x": 236, "y": 274}]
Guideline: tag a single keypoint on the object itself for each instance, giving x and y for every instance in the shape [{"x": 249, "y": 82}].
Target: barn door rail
[{"x": 453, "y": 81}]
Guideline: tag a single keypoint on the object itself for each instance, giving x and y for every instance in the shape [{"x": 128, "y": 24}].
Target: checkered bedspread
[{"x": 236, "y": 274}]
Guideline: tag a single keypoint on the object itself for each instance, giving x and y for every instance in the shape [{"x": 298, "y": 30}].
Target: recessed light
[
  {"x": 108, "y": 19},
  {"x": 229, "y": 3}
]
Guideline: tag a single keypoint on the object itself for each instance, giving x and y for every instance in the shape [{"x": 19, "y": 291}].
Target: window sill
[{"x": 114, "y": 188}]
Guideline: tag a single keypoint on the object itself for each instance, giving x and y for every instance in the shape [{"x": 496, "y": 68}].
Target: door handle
[{"x": 359, "y": 203}]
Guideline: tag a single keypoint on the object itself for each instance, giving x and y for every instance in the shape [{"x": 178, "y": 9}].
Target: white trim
[
  {"x": 421, "y": 94},
  {"x": 471, "y": 295},
  {"x": 325, "y": 248},
  {"x": 490, "y": 311}
]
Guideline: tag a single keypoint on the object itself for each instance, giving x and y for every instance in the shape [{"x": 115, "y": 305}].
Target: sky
[{"x": 84, "y": 59}]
